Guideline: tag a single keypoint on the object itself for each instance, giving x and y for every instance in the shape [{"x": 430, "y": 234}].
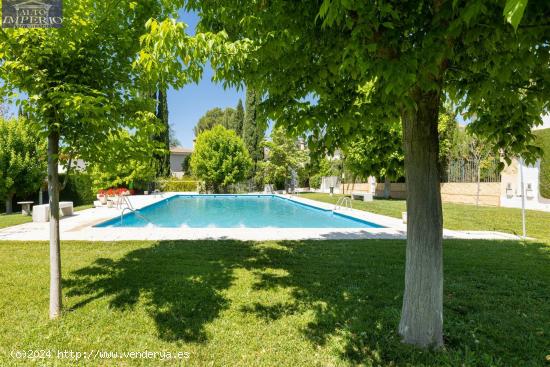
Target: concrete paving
[{"x": 80, "y": 227}]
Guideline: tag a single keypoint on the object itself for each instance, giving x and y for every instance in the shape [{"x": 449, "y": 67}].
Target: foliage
[
  {"x": 377, "y": 152},
  {"x": 283, "y": 158},
  {"x": 174, "y": 141},
  {"x": 163, "y": 136},
  {"x": 174, "y": 184},
  {"x": 80, "y": 88},
  {"x": 323, "y": 167},
  {"x": 78, "y": 189},
  {"x": 353, "y": 80},
  {"x": 212, "y": 117},
  {"x": 543, "y": 141},
  {"x": 253, "y": 127},
  {"x": 133, "y": 166},
  {"x": 220, "y": 158},
  {"x": 237, "y": 121},
  {"x": 22, "y": 159},
  {"x": 185, "y": 167}
]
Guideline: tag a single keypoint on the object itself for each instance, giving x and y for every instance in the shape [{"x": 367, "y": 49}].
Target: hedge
[
  {"x": 543, "y": 141},
  {"x": 175, "y": 185}
]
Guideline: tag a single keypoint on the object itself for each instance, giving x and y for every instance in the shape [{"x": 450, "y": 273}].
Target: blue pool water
[{"x": 235, "y": 211}]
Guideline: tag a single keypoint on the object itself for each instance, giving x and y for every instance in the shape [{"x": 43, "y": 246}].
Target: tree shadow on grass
[
  {"x": 496, "y": 298},
  {"x": 180, "y": 282}
]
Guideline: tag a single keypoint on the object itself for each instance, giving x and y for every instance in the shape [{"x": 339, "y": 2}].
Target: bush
[
  {"x": 220, "y": 159},
  {"x": 78, "y": 189},
  {"x": 543, "y": 141},
  {"x": 177, "y": 185}
]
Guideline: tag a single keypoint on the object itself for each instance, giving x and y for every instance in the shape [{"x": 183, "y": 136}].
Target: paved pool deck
[{"x": 80, "y": 226}]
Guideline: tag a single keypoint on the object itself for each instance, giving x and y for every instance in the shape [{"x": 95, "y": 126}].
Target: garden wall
[
  {"x": 450, "y": 192},
  {"x": 466, "y": 193}
]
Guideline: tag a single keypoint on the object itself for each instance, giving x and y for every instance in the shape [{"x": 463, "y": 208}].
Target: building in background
[{"x": 178, "y": 155}]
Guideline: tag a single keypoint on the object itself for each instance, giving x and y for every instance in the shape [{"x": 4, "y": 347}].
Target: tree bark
[
  {"x": 9, "y": 204},
  {"x": 55, "y": 256},
  {"x": 387, "y": 188},
  {"x": 422, "y": 313},
  {"x": 478, "y": 181}
]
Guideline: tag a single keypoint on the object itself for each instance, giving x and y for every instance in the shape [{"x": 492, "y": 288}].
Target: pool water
[{"x": 234, "y": 211}]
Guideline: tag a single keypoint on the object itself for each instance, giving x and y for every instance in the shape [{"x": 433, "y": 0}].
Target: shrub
[
  {"x": 543, "y": 141},
  {"x": 220, "y": 159},
  {"x": 177, "y": 185},
  {"x": 78, "y": 189}
]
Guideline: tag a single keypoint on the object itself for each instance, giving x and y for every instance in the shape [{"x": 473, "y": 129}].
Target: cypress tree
[
  {"x": 253, "y": 128},
  {"x": 164, "y": 136},
  {"x": 238, "y": 119}
]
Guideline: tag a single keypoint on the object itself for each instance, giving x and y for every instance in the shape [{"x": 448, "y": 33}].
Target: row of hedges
[
  {"x": 78, "y": 189},
  {"x": 543, "y": 141},
  {"x": 177, "y": 185}
]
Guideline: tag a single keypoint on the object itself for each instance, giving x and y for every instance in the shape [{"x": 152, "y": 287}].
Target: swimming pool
[{"x": 235, "y": 211}]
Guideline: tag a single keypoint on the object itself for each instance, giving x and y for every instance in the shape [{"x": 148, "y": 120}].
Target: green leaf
[{"x": 513, "y": 11}]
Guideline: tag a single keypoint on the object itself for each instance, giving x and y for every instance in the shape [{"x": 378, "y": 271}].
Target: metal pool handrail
[
  {"x": 136, "y": 213},
  {"x": 341, "y": 203}
]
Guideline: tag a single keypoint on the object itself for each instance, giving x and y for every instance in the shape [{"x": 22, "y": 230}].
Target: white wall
[
  {"x": 512, "y": 198},
  {"x": 175, "y": 162}
]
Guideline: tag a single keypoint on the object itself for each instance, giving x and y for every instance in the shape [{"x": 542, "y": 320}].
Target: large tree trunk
[
  {"x": 422, "y": 313},
  {"x": 55, "y": 256},
  {"x": 9, "y": 202}
]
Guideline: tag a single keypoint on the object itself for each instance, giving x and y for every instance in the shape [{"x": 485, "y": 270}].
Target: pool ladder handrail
[
  {"x": 341, "y": 203},
  {"x": 138, "y": 214},
  {"x": 123, "y": 200}
]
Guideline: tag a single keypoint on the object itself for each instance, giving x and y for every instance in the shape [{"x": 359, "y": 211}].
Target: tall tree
[
  {"x": 220, "y": 159},
  {"x": 163, "y": 137},
  {"x": 228, "y": 115},
  {"x": 22, "y": 162},
  {"x": 253, "y": 128},
  {"x": 238, "y": 119},
  {"x": 399, "y": 60},
  {"x": 284, "y": 158},
  {"x": 212, "y": 117},
  {"x": 82, "y": 85},
  {"x": 377, "y": 152}
]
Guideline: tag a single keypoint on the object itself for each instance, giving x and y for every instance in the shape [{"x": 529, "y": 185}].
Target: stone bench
[
  {"x": 41, "y": 213},
  {"x": 367, "y": 196}
]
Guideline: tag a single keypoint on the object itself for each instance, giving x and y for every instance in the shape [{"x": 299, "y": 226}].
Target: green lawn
[
  {"x": 307, "y": 303},
  {"x": 8, "y": 220},
  {"x": 461, "y": 216}
]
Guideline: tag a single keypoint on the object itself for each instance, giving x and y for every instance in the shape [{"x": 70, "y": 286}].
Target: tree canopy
[
  {"x": 84, "y": 85},
  {"x": 283, "y": 159},
  {"x": 329, "y": 67},
  {"x": 213, "y": 117},
  {"x": 220, "y": 159},
  {"x": 253, "y": 127}
]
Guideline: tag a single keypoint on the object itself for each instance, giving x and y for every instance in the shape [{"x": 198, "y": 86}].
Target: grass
[
  {"x": 306, "y": 303},
  {"x": 8, "y": 220},
  {"x": 460, "y": 216}
]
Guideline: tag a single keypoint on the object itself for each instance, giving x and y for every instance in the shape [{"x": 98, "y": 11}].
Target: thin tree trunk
[
  {"x": 422, "y": 313},
  {"x": 9, "y": 202},
  {"x": 387, "y": 187},
  {"x": 478, "y": 182},
  {"x": 55, "y": 256}
]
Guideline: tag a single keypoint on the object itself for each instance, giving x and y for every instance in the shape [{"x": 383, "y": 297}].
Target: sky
[{"x": 187, "y": 105}]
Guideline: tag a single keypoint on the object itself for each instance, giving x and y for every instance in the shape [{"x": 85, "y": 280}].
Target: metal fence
[{"x": 465, "y": 170}]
